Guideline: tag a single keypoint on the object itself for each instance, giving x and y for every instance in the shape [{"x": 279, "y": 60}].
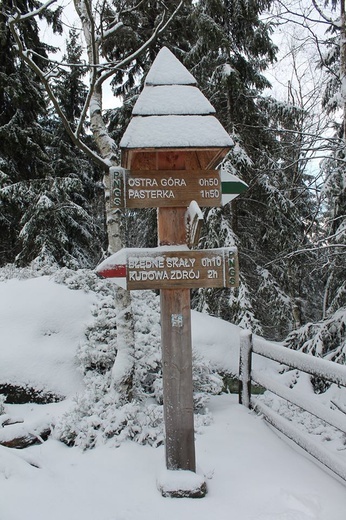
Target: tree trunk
[{"x": 123, "y": 367}]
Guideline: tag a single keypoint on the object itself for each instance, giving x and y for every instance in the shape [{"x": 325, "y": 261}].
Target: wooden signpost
[{"x": 176, "y": 180}]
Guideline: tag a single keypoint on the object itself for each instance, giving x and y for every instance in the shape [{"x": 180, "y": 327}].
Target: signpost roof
[
  {"x": 172, "y": 100},
  {"x": 175, "y": 132},
  {"x": 171, "y": 113},
  {"x": 168, "y": 70}
]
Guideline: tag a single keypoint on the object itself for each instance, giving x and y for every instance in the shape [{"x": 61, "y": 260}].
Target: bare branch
[
  {"x": 26, "y": 56},
  {"x": 305, "y": 17},
  {"x": 158, "y": 30},
  {"x": 322, "y": 15},
  {"x": 35, "y": 12}
]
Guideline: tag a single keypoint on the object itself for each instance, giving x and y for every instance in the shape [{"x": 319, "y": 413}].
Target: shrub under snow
[{"x": 101, "y": 413}]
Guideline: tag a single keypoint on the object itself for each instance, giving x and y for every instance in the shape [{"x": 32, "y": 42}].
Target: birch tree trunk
[
  {"x": 97, "y": 30},
  {"x": 123, "y": 367}
]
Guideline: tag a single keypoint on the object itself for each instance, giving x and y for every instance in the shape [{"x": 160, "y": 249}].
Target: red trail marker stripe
[{"x": 117, "y": 271}]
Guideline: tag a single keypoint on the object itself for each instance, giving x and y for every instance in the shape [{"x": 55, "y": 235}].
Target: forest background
[{"x": 57, "y": 144}]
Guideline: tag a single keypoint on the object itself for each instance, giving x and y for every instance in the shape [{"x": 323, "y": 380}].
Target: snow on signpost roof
[
  {"x": 168, "y": 70},
  {"x": 171, "y": 112},
  {"x": 175, "y": 132},
  {"x": 172, "y": 100}
]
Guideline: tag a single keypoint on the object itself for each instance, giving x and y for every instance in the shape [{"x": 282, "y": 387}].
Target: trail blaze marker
[
  {"x": 231, "y": 187},
  {"x": 175, "y": 178}
]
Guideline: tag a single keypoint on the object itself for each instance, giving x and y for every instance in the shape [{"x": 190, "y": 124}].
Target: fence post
[{"x": 245, "y": 362}]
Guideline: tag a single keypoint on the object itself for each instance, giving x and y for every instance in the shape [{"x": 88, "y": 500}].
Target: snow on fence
[{"x": 315, "y": 366}]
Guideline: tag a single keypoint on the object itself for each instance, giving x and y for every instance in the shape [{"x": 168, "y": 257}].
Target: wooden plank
[
  {"x": 192, "y": 161},
  {"x": 211, "y": 158},
  {"x": 177, "y": 379},
  {"x": 181, "y": 269},
  {"x": 171, "y": 188},
  {"x": 325, "y": 456},
  {"x": 195, "y": 157},
  {"x": 154, "y": 189},
  {"x": 141, "y": 160},
  {"x": 171, "y": 160},
  {"x": 177, "y": 234},
  {"x": 176, "y": 346}
]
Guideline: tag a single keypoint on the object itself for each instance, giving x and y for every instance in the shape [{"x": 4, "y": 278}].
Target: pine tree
[
  {"x": 333, "y": 168},
  {"x": 52, "y": 208},
  {"x": 232, "y": 51},
  {"x": 22, "y": 139}
]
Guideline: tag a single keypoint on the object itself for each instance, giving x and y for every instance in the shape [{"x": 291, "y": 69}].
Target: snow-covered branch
[
  {"x": 111, "y": 31},
  {"x": 319, "y": 247},
  {"x": 35, "y": 12},
  {"x": 161, "y": 26},
  {"x": 26, "y": 55}
]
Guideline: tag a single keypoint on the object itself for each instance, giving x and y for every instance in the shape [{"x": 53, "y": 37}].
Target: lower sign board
[{"x": 160, "y": 268}]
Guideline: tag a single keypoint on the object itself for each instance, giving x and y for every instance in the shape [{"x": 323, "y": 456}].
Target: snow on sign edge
[
  {"x": 168, "y": 70},
  {"x": 175, "y": 132}
]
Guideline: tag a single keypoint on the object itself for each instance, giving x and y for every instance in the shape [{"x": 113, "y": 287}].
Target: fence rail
[{"x": 315, "y": 366}]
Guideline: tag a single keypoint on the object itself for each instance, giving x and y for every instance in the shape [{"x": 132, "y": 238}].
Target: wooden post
[
  {"x": 177, "y": 379},
  {"x": 176, "y": 341},
  {"x": 245, "y": 365}
]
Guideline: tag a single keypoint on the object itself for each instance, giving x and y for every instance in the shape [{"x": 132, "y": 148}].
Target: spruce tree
[
  {"x": 333, "y": 168},
  {"x": 51, "y": 203},
  {"x": 23, "y": 156},
  {"x": 230, "y": 56}
]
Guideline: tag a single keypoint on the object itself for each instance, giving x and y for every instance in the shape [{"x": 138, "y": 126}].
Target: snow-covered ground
[{"x": 251, "y": 473}]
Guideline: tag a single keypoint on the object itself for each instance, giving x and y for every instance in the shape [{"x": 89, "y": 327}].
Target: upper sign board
[
  {"x": 172, "y": 188},
  {"x": 155, "y": 189}
]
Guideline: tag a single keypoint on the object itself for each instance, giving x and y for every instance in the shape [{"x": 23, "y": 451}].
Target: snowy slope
[
  {"x": 251, "y": 473},
  {"x": 41, "y": 324}
]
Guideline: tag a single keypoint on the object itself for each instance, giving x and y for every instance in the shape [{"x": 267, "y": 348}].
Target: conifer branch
[
  {"x": 35, "y": 12},
  {"x": 26, "y": 54},
  {"x": 162, "y": 25}
]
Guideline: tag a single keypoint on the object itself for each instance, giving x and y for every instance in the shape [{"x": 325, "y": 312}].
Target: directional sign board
[
  {"x": 161, "y": 268},
  {"x": 155, "y": 189}
]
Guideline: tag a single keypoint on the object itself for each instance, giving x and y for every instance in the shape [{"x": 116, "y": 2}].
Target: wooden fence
[{"x": 327, "y": 370}]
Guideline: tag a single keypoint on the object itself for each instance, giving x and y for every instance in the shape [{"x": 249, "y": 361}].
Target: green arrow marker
[{"x": 231, "y": 187}]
